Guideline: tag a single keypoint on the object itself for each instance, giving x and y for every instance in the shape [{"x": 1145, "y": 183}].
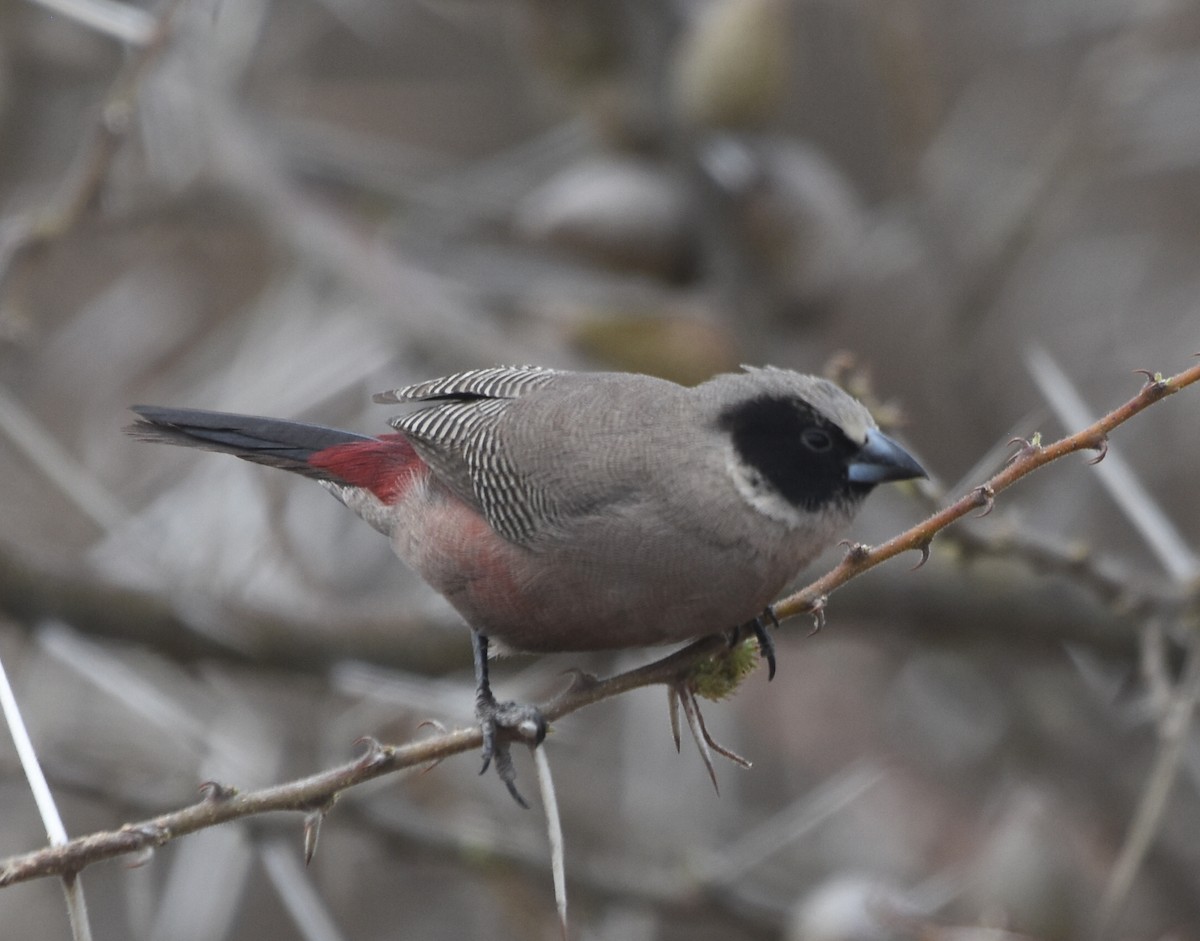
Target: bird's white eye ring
[{"x": 816, "y": 439}]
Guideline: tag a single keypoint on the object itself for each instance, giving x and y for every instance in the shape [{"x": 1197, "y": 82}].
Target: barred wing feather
[{"x": 456, "y": 436}]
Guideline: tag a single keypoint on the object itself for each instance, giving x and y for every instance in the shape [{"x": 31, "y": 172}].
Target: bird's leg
[{"x": 523, "y": 719}]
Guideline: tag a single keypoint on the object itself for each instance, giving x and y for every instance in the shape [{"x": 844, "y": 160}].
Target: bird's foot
[{"x": 499, "y": 722}]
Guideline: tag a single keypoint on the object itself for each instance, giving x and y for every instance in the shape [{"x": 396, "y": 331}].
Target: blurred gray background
[{"x": 282, "y": 207}]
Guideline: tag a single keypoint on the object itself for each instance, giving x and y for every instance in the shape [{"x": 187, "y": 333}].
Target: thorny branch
[
  {"x": 318, "y": 793},
  {"x": 1030, "y": 456}
]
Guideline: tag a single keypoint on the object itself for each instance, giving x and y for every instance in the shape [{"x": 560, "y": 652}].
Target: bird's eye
[{"x": 816, "y": 439}]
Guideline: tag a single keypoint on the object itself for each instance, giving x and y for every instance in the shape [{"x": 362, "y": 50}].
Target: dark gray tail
[{"x": 271, "y": 441}]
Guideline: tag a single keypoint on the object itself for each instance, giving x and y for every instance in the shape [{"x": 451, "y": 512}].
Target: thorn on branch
[
  {"x": 1155, "y": 383},
  {"x": 216, "y": 792},
  {"x": 856, "y": 552},
  {"x": 312, "y": 832},
  {"x": 375, "y": 751},
  {"x": 817, "y": 609},
  {"x": 923, "y": 548},
  {"x": 1102, "y": 447},
  {"x": 441, "y": 729},
  {"x": 580, "y": 680},
  {"x": 681, "y": 693},
  {"x": 673, "y": 710},
  {"x": 1027, "y": 446},
  {"x": 138, "y": 859},
  {"x": 985, "y": 497},
  {"x": 153, "y": 834}
]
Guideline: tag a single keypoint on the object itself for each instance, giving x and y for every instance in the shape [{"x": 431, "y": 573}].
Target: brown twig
[{"x": 319, "y": 792}]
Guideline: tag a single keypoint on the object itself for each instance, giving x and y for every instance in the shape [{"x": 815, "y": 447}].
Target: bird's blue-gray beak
[{"x": 880, "y": 460}]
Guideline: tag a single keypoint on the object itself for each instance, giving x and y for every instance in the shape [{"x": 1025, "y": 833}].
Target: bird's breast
[{"x": 614, "y": 582}]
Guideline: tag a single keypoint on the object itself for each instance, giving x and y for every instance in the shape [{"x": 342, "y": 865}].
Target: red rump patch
[{"x": 386, "y": 465}]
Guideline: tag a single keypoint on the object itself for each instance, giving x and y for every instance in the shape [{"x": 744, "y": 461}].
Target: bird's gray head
[{"x": 799, "y": 445}]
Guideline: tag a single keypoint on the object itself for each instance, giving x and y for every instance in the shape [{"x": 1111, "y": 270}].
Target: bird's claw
[
  {"x": 518, "y": 720},
  {"x": 758, "y": 627},
  {"x": 766, "y": 645}
]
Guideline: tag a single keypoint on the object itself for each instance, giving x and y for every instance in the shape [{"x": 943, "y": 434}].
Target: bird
[{"x": 576, "y": 511}]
